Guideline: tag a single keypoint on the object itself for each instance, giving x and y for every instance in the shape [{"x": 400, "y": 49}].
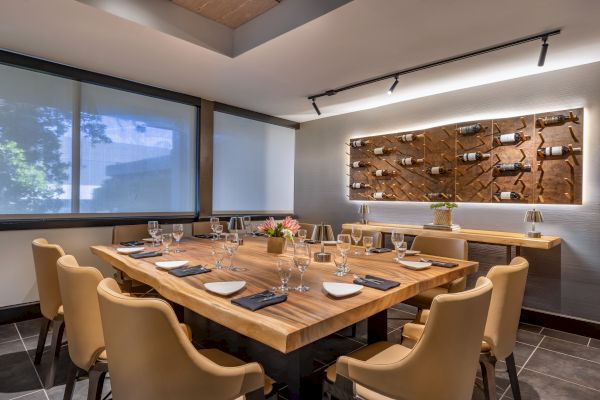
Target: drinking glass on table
[
  {"x": 302, "y": 261},
  {"x": 400, "y": 251},
  {"x": 231, "y": 245},
  {"x": 284, "y": 270},
  {"x": 344, "y": 243},
  {"x": 218, "y": 252},
  {"x": 397, "y": 237},
  {"x": 340, "y": 259},
  {"x": 247, "y": 224},
  {"x": 152, "y": 228},
  {"x": 167, "y": 239},
  {"x": 368, "y": 243},
  {"x": 356, "y": 235},
  {"x": 302, "y": 235},
  {"x": 218, "y": 229},
  {"x": 214, "y": 221},
  {"x": 177, "y": 235}
]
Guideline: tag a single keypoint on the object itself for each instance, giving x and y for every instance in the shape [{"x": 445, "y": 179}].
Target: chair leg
[
  {"x": 488, "y": 372},
  {"x": 44, "y": 327},
  {"x": 512, "y": 375},
  {"x": 58, "y": 328},
  {"x": 353, "y": 331},
  {"x": 71, "y": 379},
  {"x": 258, "y": 394},
  {"x": 96, "y": 376}
]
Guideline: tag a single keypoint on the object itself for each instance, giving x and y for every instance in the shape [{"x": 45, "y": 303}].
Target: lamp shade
[{"x": 534, "y": 216}]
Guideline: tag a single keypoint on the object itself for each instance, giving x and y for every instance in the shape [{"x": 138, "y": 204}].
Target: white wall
[{"x": 564, "y": 280}]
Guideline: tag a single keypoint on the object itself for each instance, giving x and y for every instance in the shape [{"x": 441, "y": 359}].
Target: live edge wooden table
[
  {"x": 507, "y": 239},
  {"x": 289, "y": 327}
]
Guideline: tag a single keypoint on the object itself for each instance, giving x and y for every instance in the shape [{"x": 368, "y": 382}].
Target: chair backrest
[
  {"x": 78, "y": 288},
  {"x": 328, "y": 232},
  {"x": 126, "y": 233},
  {"x": 203, "y": 227},
  {"x": 310, "y": 228},
  {"x": 505, "y": 309},
  {"x": 377, "y": 238},
  {"x": 143, "y": 336},
  {"x": 443, "y": 247},
  {"x": 44, "y": 260}
]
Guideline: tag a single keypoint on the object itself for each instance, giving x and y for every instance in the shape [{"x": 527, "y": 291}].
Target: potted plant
[
  {"x": 278, "y": 233},
  {"x": 442, "y": 213}
]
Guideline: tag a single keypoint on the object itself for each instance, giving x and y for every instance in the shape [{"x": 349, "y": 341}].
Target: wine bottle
[
  {"x": 437, "y": 195},
  {"x": 556, "y": 120},
  {"x": 360, "y": 164},
  {"x": 384, "y": 172},
  {"x": 555, "y": 151},
  {"x": 359, "y": 143},
  {"x": 470, "y": 129},
  {"x": 516, "y": 166},
  {"x": 509, "y": 195},
  {"x": 510, "y": 138},
  {"x": 382, "y": 150},
  {"x": 438, "y": 170},
  {"x": 409, "y": 137},
  {"x": 406, "y": 161},
  {"x": 382, "y": 195},
  {"x": 360, "y": 185},
  {"x": 467, "y": 157}
]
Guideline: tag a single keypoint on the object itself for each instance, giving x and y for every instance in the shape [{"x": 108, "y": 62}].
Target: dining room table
[{"x": 290, "y": 327}]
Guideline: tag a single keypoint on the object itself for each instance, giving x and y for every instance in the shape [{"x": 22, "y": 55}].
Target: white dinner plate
[
  {"x": 170, "y": 264},
  {"x": 337, "y": 289},
  {"x": 416, "y": 265},
  {"x": 147, "y": 240},
  {"x": 412, "y": 252},
  {"x": 129, "y": 250},
  {"x": 225, "y": 288}
]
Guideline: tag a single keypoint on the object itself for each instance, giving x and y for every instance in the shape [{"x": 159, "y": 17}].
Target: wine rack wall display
[{"x": 534, "y": 158}]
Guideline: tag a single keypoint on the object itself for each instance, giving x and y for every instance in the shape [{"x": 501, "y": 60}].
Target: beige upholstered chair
[
  {"x": 203, "y": 227},
  {"x": 501, "y": 326},
  {"x": 310, "y": 228},
  {"x": 441, "y": 365},
  {"x": 78, "y": 288},
  {"x": 150, "y": 358},
  {"x": 442, "y": 247},
  {"x": 126, "y": 233},
  {"x": 315, "y": 232},
  {"x": 44, "y": 260},
  {"x": 377, "y": 238}
]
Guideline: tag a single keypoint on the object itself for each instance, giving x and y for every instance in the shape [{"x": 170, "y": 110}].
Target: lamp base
[
  {"x": 534, "y": 234},
  {"x": 322, "y": 257}
]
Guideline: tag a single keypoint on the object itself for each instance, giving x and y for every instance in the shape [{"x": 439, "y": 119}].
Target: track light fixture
[
  {"x": 543, "y": 52},
  {"x": 543, "y": 36},
  {"x": 391, "y": 89}
]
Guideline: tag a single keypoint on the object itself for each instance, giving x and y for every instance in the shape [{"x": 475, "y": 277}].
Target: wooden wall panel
[{"x": 474, "y": 178}]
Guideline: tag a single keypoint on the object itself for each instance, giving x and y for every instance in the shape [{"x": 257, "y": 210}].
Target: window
[
  {"x": 69, "y": 147},
  {"x": 253, "y": 166}
]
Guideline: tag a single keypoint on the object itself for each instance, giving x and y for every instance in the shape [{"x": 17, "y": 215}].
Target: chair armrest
[{"x": 412, "y": 331}]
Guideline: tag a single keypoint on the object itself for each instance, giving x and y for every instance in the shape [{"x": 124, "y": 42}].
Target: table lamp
[
  {"x": 322, "y": 233},
  {"x": 363, "y": 210},
  {"x": 534, "y": 216}
]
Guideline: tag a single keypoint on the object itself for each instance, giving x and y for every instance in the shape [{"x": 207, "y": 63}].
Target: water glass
[
  {"x": 368, "y": 243},
  {"x": 214, "y": 221},
  {"x": 167, "y": 239},
  {"x": 231, "y": 245},
  {"x": 177, "y": 235},
  {"x": 247, "y": 224},
  {"x": 301, "y": 235},
  {"x": 344, "y": 243},
  {"x": 302, "y": 259},
  {"x": 218, "y": 229},
  {"x": 152, "y": 228},
  {"x": 400, "y": 251},
  {"x": 284, "y": 270},
  {"x": 397, "y": 237},
  {"x": 340, "y": 259},
  {"x": 218, "y": 253},
  {"x": 356, "y": 235}
]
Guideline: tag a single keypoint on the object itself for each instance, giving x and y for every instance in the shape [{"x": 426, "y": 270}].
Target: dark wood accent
[
  {"x": 559, "y": 322},
  {"x": 377, "y": 327},
  {"x": 256, "y": 116},
  {"x": 85, "y": 222},
  {"x": 19, "y": 312},
  {"x": 39, "y": 350},
  {"x": 58, "y": 328},
  {"x": 206, "y": 157},
  {"x": 233, "y": 13},
  {"x": 513, "y": 377}
]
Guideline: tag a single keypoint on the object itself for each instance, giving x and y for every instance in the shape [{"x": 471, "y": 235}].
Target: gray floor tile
[
  {"x": 80, "y": 391},
  {"x": 405, "y": 307},
  {"x": 565, "y": 336},
  {"x": 29, "y": 328},
  {"x": 522, "y": 352},
  {"x": 19, "y": 378},
  {"x": 398, "y": 318},
  {"x": 528, "y": 337},
  {"x": 572, "y": 349},
  {"x": 8, "y": 332},
  {"x": 565, "y": 367},
  {"x": 536, "y": 386},
  {"x": 42, "y": 368},
  {"x": 39, "y": 395},
  {"x": 595, "y": 343},
  {"x": 530, "y": 327}
]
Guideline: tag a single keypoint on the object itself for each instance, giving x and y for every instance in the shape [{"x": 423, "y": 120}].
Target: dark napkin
[
  {"x": 442, "y": 263},
  {"x": 204, "y": 236},
  {"x": 187, "y": 271},
  {"x": 310, "y": 241},
  {"x": 385, "y": 285},
  {"x": 380, "y": 250},
  {"x": 260, "y": 300},
  {"x": 132, "y": 243},
  {"x": 146, "y": 254}
]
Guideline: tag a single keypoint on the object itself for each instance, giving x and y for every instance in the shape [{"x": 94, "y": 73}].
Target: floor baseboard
[
  {"x": 20, "y": 312},
  {"x": 578, "y": 326}
]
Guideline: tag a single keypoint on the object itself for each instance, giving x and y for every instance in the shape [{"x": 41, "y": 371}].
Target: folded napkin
[
  {"x": 260, "y": 300},
  {"x": 187, "y": 271},
  {"x": 146, "y": 254},
  {"x": 204, "y": 236},
  {"x": 442, "y": 263},
  {"x": 309, "y": 241},
  {"x": 380, "y": 250},
  {"x": 132, "y": 243},
  {"x": 373, "y": 282}
]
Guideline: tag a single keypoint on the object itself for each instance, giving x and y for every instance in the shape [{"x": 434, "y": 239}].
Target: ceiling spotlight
[
  {"x": 314, "y": 104},
  {"x": 391, "y": 90},
  {"x": 543, "y": 52}
]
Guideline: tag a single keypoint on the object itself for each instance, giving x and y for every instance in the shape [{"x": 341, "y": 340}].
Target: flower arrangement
[{"x": 287, "y": 228}]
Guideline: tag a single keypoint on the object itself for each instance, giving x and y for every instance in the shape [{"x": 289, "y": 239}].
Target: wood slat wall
[{"x": 232, "y": 13}]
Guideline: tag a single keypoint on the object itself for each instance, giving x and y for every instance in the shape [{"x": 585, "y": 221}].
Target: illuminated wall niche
[{"x": 535, "y": 158}]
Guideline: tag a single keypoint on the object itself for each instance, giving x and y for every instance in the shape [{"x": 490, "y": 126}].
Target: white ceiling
[{"x": 359, "y": 40}]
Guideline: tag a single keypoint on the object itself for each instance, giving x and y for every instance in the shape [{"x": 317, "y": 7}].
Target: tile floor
[{"x": 552, "y": 365}]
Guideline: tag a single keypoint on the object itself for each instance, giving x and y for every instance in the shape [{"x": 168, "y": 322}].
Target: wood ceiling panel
[{"x": 232, "y": 13}]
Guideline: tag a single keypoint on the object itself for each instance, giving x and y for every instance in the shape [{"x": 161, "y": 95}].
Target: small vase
[
  {"x": 276, "y": 245},
  {"x": 442, "y": 217}
]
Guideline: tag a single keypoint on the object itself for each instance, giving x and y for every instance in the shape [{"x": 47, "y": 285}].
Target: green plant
[{"x": 447, "y": 205}]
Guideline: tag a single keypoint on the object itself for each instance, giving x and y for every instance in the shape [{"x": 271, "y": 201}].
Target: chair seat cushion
[{"x": 424, "y": 299}]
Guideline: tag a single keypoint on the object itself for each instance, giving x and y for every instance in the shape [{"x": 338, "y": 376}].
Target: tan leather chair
[
  {"x": 310, "y": 228},
  {"x": 442, "y": 247},
  {"x": 501, "y": 327},
  {"x": 44, "y": 260},
  {"x": 127, "y": 233},
  {"x": 203, "y": 227},
  {"x": 78, "y": 288},
  {"x": 377, "y": 238},
  {"x": 441, "y": 365},
  {"x": 329, "y": 236},
  {"x": 151, "y": 359}
]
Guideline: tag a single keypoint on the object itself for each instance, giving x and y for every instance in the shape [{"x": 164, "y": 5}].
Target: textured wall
[{"x": 565, "y": 280}]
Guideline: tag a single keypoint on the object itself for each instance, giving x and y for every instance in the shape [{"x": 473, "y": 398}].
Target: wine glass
[
  {"x": 302, "y": 235},
  {"x": 247, "y": 224},
  {"x": 152, "y": 228},
  {"x": 167, "y": 239},
  {"x": 343, "y": 243},
  {"x": 231, "y": 245},
  {"x": 284, "y": 270},
  {"x": 177, "y": 235},
  {"x": 214, "y": 221},
  {"x": 339, "y": 259},
  {"x": 218, "y": 252},
  {"x": 368, "y": 243},
  {"x": 400, "y": 251},
  {"x": 356, "y": 235},
  {"x": 397, "y": 237},
  {"x": 302, "y": 261},
  {"x": 218, "y": 229}
]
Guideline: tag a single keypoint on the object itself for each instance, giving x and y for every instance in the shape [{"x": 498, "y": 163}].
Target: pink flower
[
  {"x": 291, "y": 225},
  {"x": 287, "y": 228}
]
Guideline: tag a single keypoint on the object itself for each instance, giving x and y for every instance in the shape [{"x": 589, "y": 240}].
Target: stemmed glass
[
  {"x": 302, "y": 258},
  {"x": 218, "y": 229},
  {"x": 368, "y": 243},
  {"x": 339, "y": 259},
  {"x": 214, "y": 222},
  {"x": 302, "y": 235},
  {"x": 284, "y": 270},
  {"x": 177, "y": 235},
  {"x": 356, "y": 235},
  {"x": 218, "y": 252},
  {"x": 344, "y": 243},
  {"x": 167, "y": 239},
  {"x": 397, "y": 239},
  {"x": 152, "y": 228},
  {"x": 231, "y": 245},
  {"x": 401, "y": 251}
]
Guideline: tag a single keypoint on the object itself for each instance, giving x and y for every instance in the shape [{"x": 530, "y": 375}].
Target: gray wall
[{"x": 565, "y": 280}]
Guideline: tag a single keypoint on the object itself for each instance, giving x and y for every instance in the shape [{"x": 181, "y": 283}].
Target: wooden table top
[
  {"x": 471, "y": 235},
  {"x": 304, "y": 317}
]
